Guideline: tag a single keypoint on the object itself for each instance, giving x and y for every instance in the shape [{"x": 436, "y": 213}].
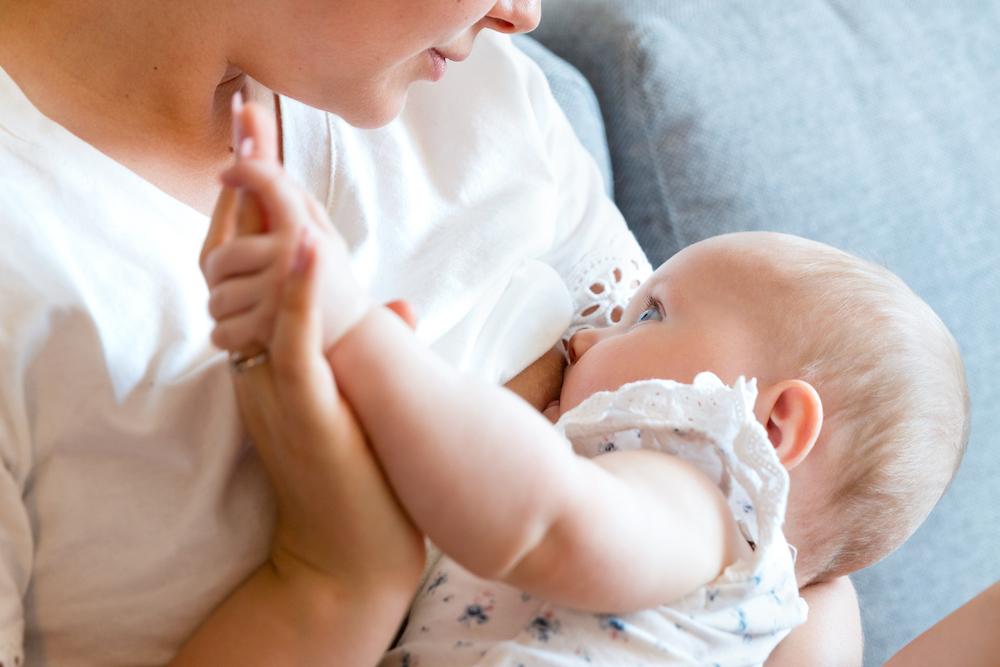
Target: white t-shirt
[{"x": 130, "y": 502}]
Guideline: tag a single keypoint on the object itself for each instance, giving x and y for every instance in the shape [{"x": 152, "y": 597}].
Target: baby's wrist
[
  {"x": 341, "y": 320},
  {"x": 369, "y": 331}
]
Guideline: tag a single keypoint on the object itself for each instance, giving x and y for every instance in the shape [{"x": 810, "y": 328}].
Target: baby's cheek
[{"x": 577, "y": 386}]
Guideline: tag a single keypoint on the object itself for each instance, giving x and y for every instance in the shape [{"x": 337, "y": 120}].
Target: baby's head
[{"x": 862, "y": 389}]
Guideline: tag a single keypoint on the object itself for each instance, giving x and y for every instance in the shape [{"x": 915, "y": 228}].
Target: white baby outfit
[{"x": 736, "y": 620}]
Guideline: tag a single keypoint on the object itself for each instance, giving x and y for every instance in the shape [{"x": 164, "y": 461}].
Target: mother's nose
[
  {"x": 580, "y": 342},
  {"x": 515, "y": 16}
]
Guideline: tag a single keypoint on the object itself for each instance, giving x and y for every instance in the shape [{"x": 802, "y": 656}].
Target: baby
[{"x": 650, "y": 524}]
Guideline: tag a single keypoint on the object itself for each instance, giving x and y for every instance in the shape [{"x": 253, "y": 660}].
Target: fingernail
[
  {"x": 237, "y": 102},
  {"x": 246, "y": 148},
  {"x": 236, "y": 107}
]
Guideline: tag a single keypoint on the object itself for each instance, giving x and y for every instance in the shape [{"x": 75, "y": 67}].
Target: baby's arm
[
  {"x": 498, "y": 490},
  {"x": 485, "y": 475}
]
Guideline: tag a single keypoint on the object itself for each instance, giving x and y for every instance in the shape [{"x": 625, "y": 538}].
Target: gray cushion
[
  {"x": 577, "y": 100},
  {"x": 870, "y": 125}
]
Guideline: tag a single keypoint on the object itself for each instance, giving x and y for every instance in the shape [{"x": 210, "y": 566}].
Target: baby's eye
[{"x": 652, "y": 312}]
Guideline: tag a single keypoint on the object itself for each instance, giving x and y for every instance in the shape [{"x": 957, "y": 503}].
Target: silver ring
[{"x": 241, "y": 364}]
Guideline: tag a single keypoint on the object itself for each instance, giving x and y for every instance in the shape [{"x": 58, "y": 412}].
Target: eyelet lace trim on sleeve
[{"x": 604, "y": 281}]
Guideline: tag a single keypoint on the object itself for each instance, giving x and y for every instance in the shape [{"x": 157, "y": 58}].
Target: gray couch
[{"x": 874, "y": 126}]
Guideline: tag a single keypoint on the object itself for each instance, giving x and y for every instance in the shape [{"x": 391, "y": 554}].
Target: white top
[
  {"x": 130, "y": 503},
  {"x": 459, "y": 620}
]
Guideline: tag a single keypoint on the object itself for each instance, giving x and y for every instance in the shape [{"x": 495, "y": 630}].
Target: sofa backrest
[{"x": 873, "y": 126}]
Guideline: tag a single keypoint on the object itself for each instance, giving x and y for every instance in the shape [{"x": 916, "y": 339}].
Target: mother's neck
[
  {"x": 121, "y": 71},
  {"x": 145, "y": 82}
]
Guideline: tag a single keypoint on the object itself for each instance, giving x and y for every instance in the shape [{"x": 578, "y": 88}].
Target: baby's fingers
[
  {"x": 284, "y": 203},
  {"x": 249, "y": 328},
  {"x": 239, "y": 295},
  {"x": 243, "y": 255}
]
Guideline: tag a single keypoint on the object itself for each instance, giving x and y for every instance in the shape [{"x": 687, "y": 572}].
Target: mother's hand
[
  {"x": 345, "y": 558},
  {"x": 336, "y": 513},
  {"x": 334, "y": 507}
]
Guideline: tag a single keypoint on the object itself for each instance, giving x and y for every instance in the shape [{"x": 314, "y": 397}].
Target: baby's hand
[{"x": 246, "y": 274}]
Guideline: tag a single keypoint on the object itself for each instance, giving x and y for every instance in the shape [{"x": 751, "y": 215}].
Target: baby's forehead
[
  {"x": 720, "y": 267},
  {"x": 728, "y": 251}
]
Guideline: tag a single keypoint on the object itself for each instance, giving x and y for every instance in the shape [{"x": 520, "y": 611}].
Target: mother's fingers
[
  {"x": 260, "y": 125},
  {"x": 257, "y": 397},
  {"x": 249, "y": 121},
  {"x": 222, "y": 226},
  {"x": 404, "y": 311},
  {"x": 301, "y": 372},
  {"x": 283, "y": 201}
]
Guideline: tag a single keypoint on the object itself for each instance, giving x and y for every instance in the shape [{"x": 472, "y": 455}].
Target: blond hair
[{"x": 895, "y": 401}]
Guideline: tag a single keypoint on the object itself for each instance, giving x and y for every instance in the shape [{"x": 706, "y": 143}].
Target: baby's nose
[{"x": 580, "y": 342}]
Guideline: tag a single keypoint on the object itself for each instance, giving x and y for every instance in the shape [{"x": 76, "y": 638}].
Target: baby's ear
[{"x": 792, "y": 413}]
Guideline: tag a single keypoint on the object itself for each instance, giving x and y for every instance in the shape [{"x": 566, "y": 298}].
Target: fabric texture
[
  {"x": 735, "y": 620},
  {"x": 872, "y": 126},
  {"x": 130, "y": 504},
  {"x": 577, "y": 100}
]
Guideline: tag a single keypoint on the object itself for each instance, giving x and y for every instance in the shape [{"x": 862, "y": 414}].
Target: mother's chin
[
  {"x": 364, "y": 99},
  {"x": 367, "y": 106}
]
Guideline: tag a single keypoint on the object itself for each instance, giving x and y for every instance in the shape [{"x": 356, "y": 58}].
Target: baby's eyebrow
[{"x": 658, "y": 290}]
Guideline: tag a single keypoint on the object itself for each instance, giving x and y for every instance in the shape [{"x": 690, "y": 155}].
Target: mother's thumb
[{"x": 296, "y": 346}]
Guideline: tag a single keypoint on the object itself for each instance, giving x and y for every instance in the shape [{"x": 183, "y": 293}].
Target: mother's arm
[
  {"x": 968, "y": 636},
  {"x": 831, "y": 637},
  {"x": 345, "y": 559}
]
